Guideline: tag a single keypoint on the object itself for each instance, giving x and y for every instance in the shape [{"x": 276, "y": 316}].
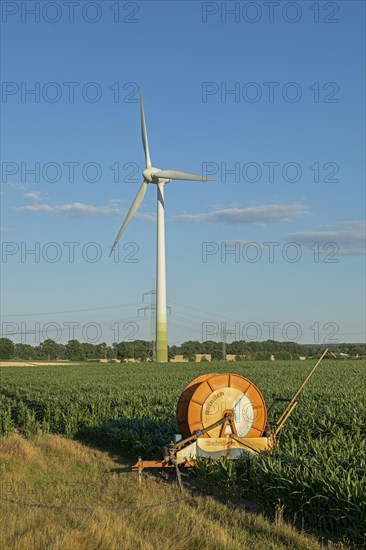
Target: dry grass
[{"x": 58, "y": 471}]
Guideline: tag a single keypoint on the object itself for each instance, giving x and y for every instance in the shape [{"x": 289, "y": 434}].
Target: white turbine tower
[{"x": 159, "y": 178}]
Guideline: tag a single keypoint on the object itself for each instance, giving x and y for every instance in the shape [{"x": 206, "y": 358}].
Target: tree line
[{"x": 143, "y": 350}]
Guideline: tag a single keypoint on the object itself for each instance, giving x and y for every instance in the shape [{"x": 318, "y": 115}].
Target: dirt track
[{"x": 31, "y": 363}]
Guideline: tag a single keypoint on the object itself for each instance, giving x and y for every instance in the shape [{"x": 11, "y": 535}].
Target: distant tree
[
  {"x": 89, "y": 351},
  {"x": 49, "y": 349},
  {"x": 74, "y": 350},
  {"x": 192, "y": 345},
  {"x": 101, "y": 351},
  {"x": 123, "y": 350},
  {"x": 282, "y": 355},
  {"x": 214, "y": 349},
  {"x": 310, "y": 351},
  {"x": 141, "y": 349},
  {"x": 264, "y": 355},
  {"x": 189, "y": 350},
  {"x": 359, "y": 350},
  {"x": 173, "y": 351},
  {"x": 7, "y": 348},
  {"x": 24, "y": 351},
  {"x": 111, "y": 353},
  {"x": 237, "y": 347},
  {"x": 352, "y": 349},
  {"x": 189, "y": 356}
]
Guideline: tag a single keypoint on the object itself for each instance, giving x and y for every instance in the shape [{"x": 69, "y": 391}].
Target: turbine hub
[{"x": 148, "y": 174}]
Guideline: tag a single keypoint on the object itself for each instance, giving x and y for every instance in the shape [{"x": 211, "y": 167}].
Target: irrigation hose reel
[{"x": 223, "y": 415}]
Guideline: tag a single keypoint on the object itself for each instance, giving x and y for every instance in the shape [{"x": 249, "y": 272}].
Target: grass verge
[{"x": 52, "y": 470}]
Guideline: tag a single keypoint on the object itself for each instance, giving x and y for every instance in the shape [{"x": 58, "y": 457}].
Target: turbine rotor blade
[
  {"x": 180, "y": 175},
  {"x": 144, "y": 134},
  {"x": 132, "y": 211}
]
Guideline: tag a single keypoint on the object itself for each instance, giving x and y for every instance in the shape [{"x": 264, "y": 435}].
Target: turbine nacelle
[
  {"x": 152, "y": 174},
  {"x": 150, "y": 177}
]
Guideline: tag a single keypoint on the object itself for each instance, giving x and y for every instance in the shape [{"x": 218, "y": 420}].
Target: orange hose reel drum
[
  {"x": 184, "y": 400},
  {"x": 208, "y": 397}
]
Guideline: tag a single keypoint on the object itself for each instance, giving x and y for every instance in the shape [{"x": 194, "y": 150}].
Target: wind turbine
[{"x": 159, "y": 178}]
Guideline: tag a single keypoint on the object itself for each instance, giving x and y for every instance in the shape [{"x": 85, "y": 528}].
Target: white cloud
[
  {"x": 253, "y": 215},
  {"x": 79, "y": 209},
  {"x": 75, "y": 209},
  {"x": 145, "y": 217},
  {"x": 5, "y": 229},
  {"x": 17, "y": 186},
  {"x": 32, "y": 195},
  {"x": 349, "y": 236},
  {"x": 115, "y": 202}
]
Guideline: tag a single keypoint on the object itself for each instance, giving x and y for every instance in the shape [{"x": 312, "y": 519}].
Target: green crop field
[{"x": 317, "y": 472}]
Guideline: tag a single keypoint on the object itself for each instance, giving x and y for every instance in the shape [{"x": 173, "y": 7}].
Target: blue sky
[{"x": 291, "y": 132}]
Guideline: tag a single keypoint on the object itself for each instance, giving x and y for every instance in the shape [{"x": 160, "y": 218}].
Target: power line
[
  {"x": 188, "y": 321},
  {"x": 217, "y": 315},
  {"x": 152, "y": 308},
  {"x": 223, "y": 334},
  {"x": 58, "y": 329},
  {"x": 69, "y": 311}
]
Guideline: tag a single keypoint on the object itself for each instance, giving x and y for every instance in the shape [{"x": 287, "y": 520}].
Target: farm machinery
[{"x": 223, "y": 415}]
